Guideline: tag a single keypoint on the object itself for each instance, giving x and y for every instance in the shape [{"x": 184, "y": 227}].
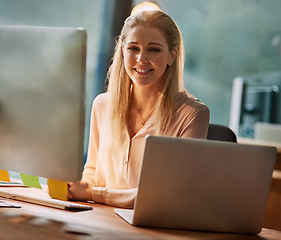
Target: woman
[{"x": 145, "y": 95}]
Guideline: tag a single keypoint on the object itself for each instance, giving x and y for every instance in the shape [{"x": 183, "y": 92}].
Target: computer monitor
[
  {"x": 255, "y": 98},
  {"x": 42, "y": 110}
]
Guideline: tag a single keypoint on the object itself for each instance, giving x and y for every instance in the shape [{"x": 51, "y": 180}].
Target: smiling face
[{"x": 146, "y": 56}]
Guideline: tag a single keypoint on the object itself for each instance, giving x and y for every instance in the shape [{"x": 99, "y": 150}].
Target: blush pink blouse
[{"x": 114, "y": 174}]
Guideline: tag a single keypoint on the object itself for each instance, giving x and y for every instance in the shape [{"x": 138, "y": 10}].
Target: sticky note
[
  {"x": 30, "y": 181},
  {"x": 57, "y": 189},
  {"x": 4, "y": 176}
]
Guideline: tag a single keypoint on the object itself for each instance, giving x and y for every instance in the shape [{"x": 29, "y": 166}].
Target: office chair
[{"x": 221, "y": 133}]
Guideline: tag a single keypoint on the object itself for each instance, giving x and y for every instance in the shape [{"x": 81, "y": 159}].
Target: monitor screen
[{"x": 42, "y": 91}]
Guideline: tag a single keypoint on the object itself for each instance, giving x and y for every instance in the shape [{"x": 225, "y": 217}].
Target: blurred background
[{"x": 224, "y": 40}]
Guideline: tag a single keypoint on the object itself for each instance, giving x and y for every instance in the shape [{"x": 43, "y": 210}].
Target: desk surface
[
  {"x": 260, "y": 142},
  {"x": 38, "y": 222},
  {"x": 273, "y": 211}
]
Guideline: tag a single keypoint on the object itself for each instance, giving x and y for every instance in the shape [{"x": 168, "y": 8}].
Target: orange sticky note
[
  {"x": 57, "y": 189},
  {"x": 4, "y": 176}
]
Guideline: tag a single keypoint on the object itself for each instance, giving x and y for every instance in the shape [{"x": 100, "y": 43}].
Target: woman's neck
[
  {"x": 144, "y": 100},
  {"x": 143, "y": 104}
]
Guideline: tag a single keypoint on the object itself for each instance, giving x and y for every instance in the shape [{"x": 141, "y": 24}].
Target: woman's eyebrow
[
  {"x": 149, "y": 44},
  {"x": 156, "y": 43},
  {"x": 132, "y": 42}
]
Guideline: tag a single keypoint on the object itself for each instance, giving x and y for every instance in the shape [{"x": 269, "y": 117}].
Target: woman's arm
[
  {"x": 81, "y": 190},
  {"x": 197, "y": 126},
  {"x": 90, "y": 166},
  {"x": 123, "y": 198}
]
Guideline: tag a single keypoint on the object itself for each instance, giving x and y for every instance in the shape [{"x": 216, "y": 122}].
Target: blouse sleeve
[
  {"x": 123, "y": 198},
  {"x": 90, "y": 166},
  {"x": 197, "y": 126}
]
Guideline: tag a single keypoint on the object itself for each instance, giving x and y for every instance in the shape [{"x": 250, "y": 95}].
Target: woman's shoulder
[
  {"x": 190, "y": 107},
  {"x": 99, "y": 106},
  {"x": 100, "y": 100},
  {"x": 187, "y": 100}
]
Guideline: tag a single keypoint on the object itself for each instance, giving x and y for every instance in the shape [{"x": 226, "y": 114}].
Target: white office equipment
[
  {"x": 236, "y": 104},
  {"x": 255, "y": 98},
  {"x": 267, "y": 132},
  {"x": 202, "y": 185},
  {"x": 42, "y": 90},
  {"x": 38, "y": 196}
]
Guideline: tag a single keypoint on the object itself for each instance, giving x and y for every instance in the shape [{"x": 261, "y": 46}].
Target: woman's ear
[
  {"x": 122, "y": 51},
  {"x": 173, "y": 56}
]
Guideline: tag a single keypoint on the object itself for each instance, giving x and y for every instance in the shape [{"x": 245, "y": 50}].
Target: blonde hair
[{"x": 119, "y": 83}]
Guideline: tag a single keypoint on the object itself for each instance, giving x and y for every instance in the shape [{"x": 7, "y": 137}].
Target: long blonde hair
[{"x": 119, "y": 83}]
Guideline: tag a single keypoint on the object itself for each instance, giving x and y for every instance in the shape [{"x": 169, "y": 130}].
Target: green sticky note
[
  {"x": 30, "y": 181},
  {"x": 4, "y": 176}
]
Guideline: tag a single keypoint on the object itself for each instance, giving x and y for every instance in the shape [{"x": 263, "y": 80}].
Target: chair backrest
[{"x": 221, "y": 133}]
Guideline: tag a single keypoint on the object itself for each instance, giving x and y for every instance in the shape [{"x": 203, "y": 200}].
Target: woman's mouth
[{"x": 142, "y": 71}]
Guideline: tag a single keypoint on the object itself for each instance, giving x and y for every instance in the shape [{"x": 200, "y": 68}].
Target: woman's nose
[{"x": 142, "y": 57}]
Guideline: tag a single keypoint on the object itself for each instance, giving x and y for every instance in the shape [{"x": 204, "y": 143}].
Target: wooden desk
[
  {"x": 263, "y": 143},
  {"x": 273, "y": 211},
  {"x": 39, "y": 222}
]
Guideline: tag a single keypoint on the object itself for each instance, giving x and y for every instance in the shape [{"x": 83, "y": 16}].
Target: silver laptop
[{"x": 202, "y": 185}]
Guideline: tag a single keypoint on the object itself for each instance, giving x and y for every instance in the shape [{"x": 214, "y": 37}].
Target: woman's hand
[{"x": 79, "y": 191}]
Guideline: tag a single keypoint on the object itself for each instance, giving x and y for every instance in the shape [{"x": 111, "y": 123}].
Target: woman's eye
[
  {"x": 133, "y": 49},
  {"x": 154, "y": 50}
]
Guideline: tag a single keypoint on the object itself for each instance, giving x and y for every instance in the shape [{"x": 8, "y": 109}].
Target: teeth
[{"x": 142, "y": 70}]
